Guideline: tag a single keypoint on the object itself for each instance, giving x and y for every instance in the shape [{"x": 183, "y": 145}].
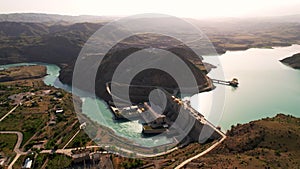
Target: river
[{"x": 267, "y": 88}]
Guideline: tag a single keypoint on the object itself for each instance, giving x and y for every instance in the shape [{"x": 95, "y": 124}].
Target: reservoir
[{"x": 267, "y": 87}]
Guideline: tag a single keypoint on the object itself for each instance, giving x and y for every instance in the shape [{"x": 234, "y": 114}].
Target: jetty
[{"x": 234, "y": 82}]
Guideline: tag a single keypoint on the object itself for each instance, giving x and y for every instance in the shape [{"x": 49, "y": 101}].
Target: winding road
[
  {"x": 17, "y": 146},
  {"x": 19, "y": 141},
  {"x": 68, "y": 151},
  {"x": 207, "y": 150}
]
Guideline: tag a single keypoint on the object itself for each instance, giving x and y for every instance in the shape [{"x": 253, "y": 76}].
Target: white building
[
  {"x": 28, "y": 163},
  {"x": 59, "y": 111}
]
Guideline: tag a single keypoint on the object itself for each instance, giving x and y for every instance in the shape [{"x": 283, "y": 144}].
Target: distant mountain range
[
  {"x": 17, "y": 29},
  {"x": 52, "y": 18},
  {"x": 287, "y": 18}
]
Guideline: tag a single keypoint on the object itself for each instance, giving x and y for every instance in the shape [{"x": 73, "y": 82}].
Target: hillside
[
  {"x": 38, "y": 42},
  {"x": 58, "y": 40},
  {"x": 61, "y": 44},
  {"x": 293, "y": 61},
  {"x": 267, "y": 143}
]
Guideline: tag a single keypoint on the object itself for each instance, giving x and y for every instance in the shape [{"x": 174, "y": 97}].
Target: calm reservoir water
[{"x": 267, "y": 87}]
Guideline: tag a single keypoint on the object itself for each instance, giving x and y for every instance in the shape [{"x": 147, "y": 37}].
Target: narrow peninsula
[{"x": 293, "y": 61}]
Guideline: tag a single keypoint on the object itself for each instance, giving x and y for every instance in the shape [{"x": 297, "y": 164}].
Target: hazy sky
[{"x": 183, "y": 8}]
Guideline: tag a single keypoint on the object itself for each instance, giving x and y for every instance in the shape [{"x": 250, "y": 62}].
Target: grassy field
[
  {"x": 81, "y": 140},
  {"x": 58, "y": 161},
  {"x": 28, "y": 124},
  {"x": 7, "y": 144}
]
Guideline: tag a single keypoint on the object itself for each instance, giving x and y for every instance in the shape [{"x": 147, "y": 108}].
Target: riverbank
[{"x": 22, "y": 73}]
